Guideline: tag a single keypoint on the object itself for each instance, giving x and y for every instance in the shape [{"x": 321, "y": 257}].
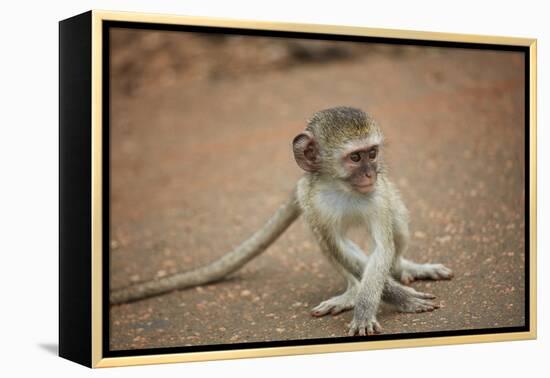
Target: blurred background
[{"x": 201, "y": 126}]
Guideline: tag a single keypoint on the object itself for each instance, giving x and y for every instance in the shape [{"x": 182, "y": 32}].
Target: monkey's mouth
[{"x": 365, "y": 187}]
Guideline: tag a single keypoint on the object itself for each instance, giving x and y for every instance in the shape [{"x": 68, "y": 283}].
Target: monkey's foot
[
  {"x": 413, "y": 304},
  {"x": 408, "y": 299},
  {"x": 412, "y": 272},
  {"x": 335, "y": 305},
  {"x": 364, "y": 327}
]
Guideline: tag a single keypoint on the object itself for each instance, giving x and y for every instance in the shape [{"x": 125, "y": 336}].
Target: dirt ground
[{"x": 200, "y": 158}]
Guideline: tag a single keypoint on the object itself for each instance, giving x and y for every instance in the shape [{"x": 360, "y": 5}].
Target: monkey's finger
[
  {"x": 356, "y": 328},
  {"x": 352, "y": 330},
  {"x": 422, "y": 295},
  {"x": 370, "y": 329},
  {"x": 373, "y": 327}
]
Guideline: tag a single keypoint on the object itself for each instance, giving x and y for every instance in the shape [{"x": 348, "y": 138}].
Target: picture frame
[{"x": 88, "y": 79}]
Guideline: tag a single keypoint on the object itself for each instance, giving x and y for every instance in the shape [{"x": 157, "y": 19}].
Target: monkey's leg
[{"x": 408, "y": 271}]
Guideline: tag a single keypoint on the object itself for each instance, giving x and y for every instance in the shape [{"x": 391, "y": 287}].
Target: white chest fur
[{"x": 344, "y": 209}]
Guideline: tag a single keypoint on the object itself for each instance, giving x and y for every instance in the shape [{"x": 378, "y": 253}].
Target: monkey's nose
[{"x": 368, "y": 174}]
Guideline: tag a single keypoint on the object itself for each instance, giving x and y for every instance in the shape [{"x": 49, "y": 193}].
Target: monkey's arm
[
  {"x": 402, "y": 298},
  {"x": 220, "y": 268},
  {"x": 373, "y": 280}
]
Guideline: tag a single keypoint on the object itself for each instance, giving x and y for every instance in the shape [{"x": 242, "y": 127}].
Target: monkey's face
[
  {"x": 361, "y": 167},
  {"x": 354, "y": 163}
]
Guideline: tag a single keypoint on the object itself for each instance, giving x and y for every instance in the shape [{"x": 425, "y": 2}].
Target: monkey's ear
[{"x": 306, "y": 152}]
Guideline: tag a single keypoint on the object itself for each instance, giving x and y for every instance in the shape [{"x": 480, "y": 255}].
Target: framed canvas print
[{"x": 235, "y": 189}]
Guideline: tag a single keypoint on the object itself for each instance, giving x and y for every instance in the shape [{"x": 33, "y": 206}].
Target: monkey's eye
[
  {"x": 355, "y": 157},
  {"x": 373, "y": 153}
]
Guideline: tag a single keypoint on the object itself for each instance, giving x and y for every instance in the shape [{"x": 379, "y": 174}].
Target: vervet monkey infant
[{"x": 345, "y": 186}]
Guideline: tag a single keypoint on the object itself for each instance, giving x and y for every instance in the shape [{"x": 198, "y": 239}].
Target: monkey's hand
[
  {"x": 364, "y": 318},
  {"x": 364, "y": 326}
]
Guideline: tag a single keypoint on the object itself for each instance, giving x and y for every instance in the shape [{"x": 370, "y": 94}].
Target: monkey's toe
[
  {"x": 335, "y": 305},
  {"x": 325, "y": 308},
  {"x": 416, "y": 305},
  {"x": 445, "y": 273},
  {"x": 406, "y": 278},
  {"x": 440, "y": 272},
  {"x": 434, "y": 272},
  {"x": 318, "y": 312},
  {"x": 418, "y": 294}
]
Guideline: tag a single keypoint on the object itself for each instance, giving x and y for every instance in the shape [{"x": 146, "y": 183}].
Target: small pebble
[{"x": 419, "y": 235}]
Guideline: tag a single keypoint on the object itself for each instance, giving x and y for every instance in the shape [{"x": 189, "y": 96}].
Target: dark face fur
[
  {"x": 342, "y": 143},
  {"x": 362, "y": 166}
]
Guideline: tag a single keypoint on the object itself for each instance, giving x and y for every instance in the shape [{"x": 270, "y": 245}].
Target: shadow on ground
[{"x": 51, "y": 348}]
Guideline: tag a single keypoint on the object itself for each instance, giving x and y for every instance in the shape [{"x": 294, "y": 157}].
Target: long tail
[{"x": 216, "y": 270}]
